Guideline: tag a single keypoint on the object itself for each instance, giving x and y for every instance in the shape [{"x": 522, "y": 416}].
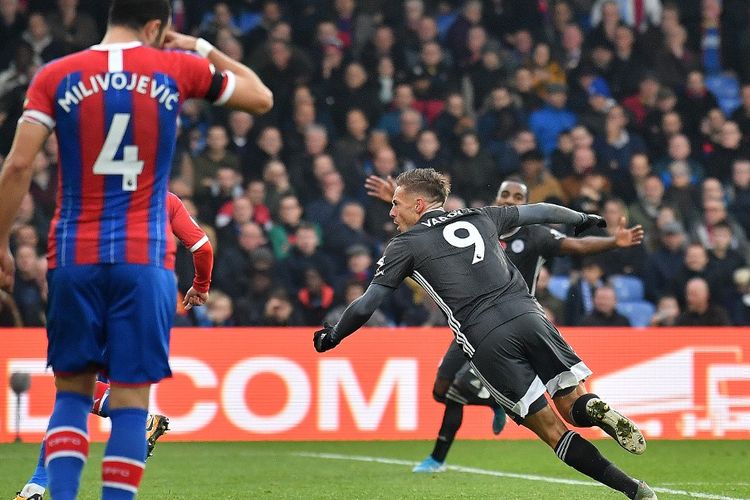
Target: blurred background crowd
[{"x": 635, "y": 108}]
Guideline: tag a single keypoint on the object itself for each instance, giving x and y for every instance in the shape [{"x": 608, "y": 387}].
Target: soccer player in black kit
[
  {"x": 527, "y": 247},
  {"x": 513, "y": 349}
]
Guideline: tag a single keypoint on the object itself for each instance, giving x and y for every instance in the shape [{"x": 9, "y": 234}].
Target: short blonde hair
[{"x": 427, "y": 181}]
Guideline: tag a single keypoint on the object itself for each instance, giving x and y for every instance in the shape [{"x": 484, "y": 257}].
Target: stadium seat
[
  {"x": 558, "y": 286},
  {"x": 627, "y": 288},
  {"x": 638, "y": 313}
]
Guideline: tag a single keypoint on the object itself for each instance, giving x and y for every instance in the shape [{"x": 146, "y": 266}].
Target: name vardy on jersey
[
  {"x": 142, "y": 84},
  {"x": 437, "y": 220}
]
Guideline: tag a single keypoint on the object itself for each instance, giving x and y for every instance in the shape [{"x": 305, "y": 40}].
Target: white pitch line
[{"x": 486, "y": 472}]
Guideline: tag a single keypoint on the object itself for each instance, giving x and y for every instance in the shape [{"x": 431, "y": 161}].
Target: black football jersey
[
  {"x": 456, "y": 258},
  {"x": 529, "y": 247}
]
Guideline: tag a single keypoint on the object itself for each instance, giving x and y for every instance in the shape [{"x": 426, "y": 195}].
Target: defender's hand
[
  {"x": 194, "y": 298},
  {"x": 380, "y": 188},
  {"x": 323, "y": 339},
  {"x": 591, "y": 221}
]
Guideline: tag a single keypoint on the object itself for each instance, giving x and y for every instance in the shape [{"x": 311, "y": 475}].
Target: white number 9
[{"x": 474, "y": 238}]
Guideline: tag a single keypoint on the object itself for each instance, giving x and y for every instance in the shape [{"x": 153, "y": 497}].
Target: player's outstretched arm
[
  {"x": 250, "y": 93},
  {"x": 623, "y": 238},
  {"x": 355, "y": 315},
  {"x": 548, "y": 213},
  {"x": 380, "y": 188},
  {"x": 15, "y": 178}
]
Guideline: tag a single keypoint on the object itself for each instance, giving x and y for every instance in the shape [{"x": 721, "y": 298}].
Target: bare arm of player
[
  {"x": 250, "y": 93},
  {"x": 380, "y": 188},
  {"x": 15, "y": 178},
  {"x": 623, "y": 238},
  {"x": 355, "y": 315}
]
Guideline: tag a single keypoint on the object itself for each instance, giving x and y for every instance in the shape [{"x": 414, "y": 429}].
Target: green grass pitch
[{"x": 346, "y": 470}]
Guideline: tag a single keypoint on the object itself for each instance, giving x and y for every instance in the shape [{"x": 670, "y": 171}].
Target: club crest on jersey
[{"x": 517, "y": 246}]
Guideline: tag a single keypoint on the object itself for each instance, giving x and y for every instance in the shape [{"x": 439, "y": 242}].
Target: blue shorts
[{"x": 112, "y": 317}]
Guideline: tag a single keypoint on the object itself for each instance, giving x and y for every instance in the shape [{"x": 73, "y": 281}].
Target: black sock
[
  {"x": 578, "y": 412},
  {"x": 452, "y": 418},
  {"x": 585, "y": 458}
]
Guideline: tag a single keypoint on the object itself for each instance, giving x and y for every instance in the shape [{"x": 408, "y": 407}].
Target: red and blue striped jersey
[{"x": 114, "y": 108}]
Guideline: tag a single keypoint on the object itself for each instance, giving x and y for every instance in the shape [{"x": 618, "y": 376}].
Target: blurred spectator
[
  {"x": 665, "y": 263},
  {"x": 39, "y": 36},
  {"x": 546, "y": 299},
  {"x": 699, "y": 311},
  {"x": 279, "y": 310},
  {"x": 325, "y": 210},
  {"x": 315, "y": 297},
  {"x": 30, "y": 289},
  {"x": 403, "y": 99},
  {"x": 714, "y": 213},
  {"x": 695, "y": 265},
  {"x": 22, "y": 68},
  {"x": 667, "y": 311},
  {"x": 240, "y": 128},
  {"x": 43, "y": 187},
  {"x": 695, "y": 102},
  {"x": 12, "y": 24},
  {"x": 268, "y": 146},
  {"x": 215, "y": 156},
  {"x": 580, "y": 299},
  {"x": 645, "y": 209},
  {"x": 405, "y": 143},
  {"x": 278, "y": 186},
  {"x": 347, "y": 231},
  {"x": 241, "y": 213},
  {"x": 474, "y": 174},
  {"x": 542, "y": 185},
  {"x": 499, "y": 120},
  {"x": 508, "y": 155},
  {"x": 724, "y": 259},
  {"x": 357, "y": 92},
  {"x": 234, "y": 262},
  {"x": 75, "y": 28},
  {"x": 682, "y": 193},
  {"x": 678, "y": 150},
  {"x": 358, "y": 262},
  {"x": 214, "y": 198},
  {"x": 604, "y": 313},
  {"x": 675, "y": 60},
  {"x": 616, "y": 147},
  {"x": 219, "y": 310},
  {"x": 350, "y": 149},
  {"x": 353, "y": 290},
  {"x": 256, "y": 193},
  {"x": 452, "y": 122},
  {"x": 552, "y": 118},
  {"x": 306, "y": 253},
  {"x": 431, "y": 79},
  {"x": 739, "y": 193},
  {"x": 730, "y": 147},
  {"x": 741, "y": 115},
  {"x": 739, "y": 308}
]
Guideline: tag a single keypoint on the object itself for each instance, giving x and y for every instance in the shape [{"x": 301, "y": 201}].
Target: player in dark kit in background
[
  {"x": 114, "y": 110},
  {"x": 513, "y": 349},
  {"x": 527, "y": 247}
]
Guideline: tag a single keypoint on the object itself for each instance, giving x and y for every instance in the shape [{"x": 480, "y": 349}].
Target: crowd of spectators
[{"x": 627, "y": 108}]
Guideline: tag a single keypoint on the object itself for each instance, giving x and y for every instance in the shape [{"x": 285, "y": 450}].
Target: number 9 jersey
[
  {"x": 455, "y": 257},
  {"x": 114, "y": 108}
]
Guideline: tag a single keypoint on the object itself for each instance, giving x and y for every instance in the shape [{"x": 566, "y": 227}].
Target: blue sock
[
  {"x": 67, "y": 444},
  {"x": 125, "y": 455},
  {"x": 40, "y": 473}
]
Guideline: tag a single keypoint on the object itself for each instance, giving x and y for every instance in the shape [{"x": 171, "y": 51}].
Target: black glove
[
  {"x": 323, "y": 339},
  {"x": 591, "y": 221}
]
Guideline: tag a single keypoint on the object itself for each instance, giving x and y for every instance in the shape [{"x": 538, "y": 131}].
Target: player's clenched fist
[
  {"x": 591, "y": 220},
  {"x": 323, "y": 339}
]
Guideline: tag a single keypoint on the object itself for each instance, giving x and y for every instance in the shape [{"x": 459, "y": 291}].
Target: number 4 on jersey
[{"x": 130, "y": 166}]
